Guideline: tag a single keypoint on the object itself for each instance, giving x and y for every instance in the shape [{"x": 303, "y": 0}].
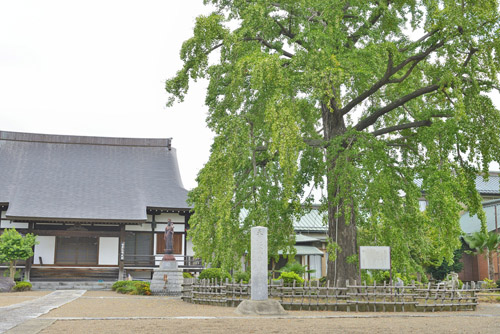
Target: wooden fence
[{"x": 359, "y": 298}]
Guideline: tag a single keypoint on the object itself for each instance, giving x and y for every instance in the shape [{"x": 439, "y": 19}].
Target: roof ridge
[{"x": 85, "y": 140}]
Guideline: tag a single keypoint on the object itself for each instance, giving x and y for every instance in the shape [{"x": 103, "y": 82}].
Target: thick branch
[
  {"x": 270, "y": 46},
  {"x": 370, "y": 120},
  {"x": 421, "y": 39},
  {"x": 469, "y": 56},
  {"x": 391, "y": 70},
  {"x": 402, "y": 127},
  {"x": 286, "y": 32}
]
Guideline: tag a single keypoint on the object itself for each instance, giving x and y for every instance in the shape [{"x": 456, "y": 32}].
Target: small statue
[{"x": 169, "y": 237}]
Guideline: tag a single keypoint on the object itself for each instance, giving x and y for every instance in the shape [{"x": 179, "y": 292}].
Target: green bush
[
  {"x": 119, "y": 284},
  {"x": 289, "y": 277},
  {"x": 187, "y": 275},
  {"x": 22, "y": 286},
  {"x": 132, "y": 288},
  {"x": 242, "y": 276},
  {"x": 214, "y": 273},
  {"x": 294, "y": 267},
  {"x": 489, "y": 284}
]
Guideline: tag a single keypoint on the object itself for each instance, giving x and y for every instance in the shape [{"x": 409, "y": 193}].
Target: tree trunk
[
  {"x": 12, "y": 269},
  {"x": 344, "y": 235},
  {"x": 491, "y": 269}
]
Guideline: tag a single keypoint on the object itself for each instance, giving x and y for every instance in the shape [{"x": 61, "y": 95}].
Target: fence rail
[{"x": 313, "y": 296}]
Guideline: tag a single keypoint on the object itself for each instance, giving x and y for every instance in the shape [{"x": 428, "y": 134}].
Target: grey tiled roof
[
  {"x": 490, "y": 187},
  {"x": 311, "y": 222},
  {"x": 51, "y": 177}
]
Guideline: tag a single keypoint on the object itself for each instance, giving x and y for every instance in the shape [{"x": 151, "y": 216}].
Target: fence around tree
[{"x": 313, "y": 296}]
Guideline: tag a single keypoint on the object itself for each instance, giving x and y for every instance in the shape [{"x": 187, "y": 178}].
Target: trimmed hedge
[
  {"x": 289, "y": 277},
  {"x": 132, "y": 287},
  {"x": 22, "y": 286}
]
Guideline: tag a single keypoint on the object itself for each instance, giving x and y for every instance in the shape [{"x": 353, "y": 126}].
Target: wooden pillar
[
  {"x": 153, "y": 251},
  {"x": 29, "y": 261},
  {"x": 186, "y": 228},
  {"x": 121, "y": 259},
  {"x": 498, "y": 257}
]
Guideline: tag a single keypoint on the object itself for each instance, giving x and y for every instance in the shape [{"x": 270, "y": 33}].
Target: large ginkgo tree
[{"x": 372, "y": 103}]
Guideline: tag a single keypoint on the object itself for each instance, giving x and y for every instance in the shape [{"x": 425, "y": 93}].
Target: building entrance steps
[{"x": 13, "y": 315}]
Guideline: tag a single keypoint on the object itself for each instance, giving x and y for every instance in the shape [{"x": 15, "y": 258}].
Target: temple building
[{"x": 98, "y": 205}]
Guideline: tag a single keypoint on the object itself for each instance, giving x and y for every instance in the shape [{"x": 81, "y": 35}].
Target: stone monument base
[
  {"x": 260, "y": 307},
  {"x": 167, "y": 279}
]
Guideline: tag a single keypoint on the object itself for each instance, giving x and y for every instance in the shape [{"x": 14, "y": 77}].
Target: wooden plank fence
[{"x": 360, "y": 298}]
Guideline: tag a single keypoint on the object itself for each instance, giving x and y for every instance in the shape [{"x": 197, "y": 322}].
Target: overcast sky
[{"x": 98, "y": 67}]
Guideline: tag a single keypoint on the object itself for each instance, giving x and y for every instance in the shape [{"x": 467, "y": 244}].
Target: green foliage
[
  {"x": 295, "y": 267},
  {"x": 440, "y": 272},
  {"x": 290, "y": 277},
  {"x": 132, "y": 287},
  {"x": 187, "y": 275},
  {"x": 489, "y": 284},
  {"x": 242, "y": 276},
  {"x": 14, "y": 247},
  {"x": 119, "y": 284},
  {"x": 22, "y": 286},
  {"x": 375, "y": 103},
  {"x": 214, "y": 273}
]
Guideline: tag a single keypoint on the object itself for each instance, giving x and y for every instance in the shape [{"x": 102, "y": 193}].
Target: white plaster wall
[
  {"x": 108, "y": 251},
  {"x": 189, "y": 250},
  {"x": 45, "y": 249},
  {"x": 164, "y": 217},
  {"x": 9, "y": 224}
]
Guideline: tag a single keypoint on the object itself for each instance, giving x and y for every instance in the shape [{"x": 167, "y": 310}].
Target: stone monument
[
  {"x": 167, "y": 279},
  {"x": 259, "y": 304}
]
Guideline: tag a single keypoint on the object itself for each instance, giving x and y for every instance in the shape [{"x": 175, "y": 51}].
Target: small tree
[
  {"x": 484, "y": 243},
  {"x": 14, "y": 247}
]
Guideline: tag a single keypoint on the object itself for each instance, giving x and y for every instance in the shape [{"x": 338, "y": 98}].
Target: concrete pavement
[{"x": 17, "y": 314}]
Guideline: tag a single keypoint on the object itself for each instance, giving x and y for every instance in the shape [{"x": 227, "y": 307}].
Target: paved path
[{"x": 13, "y": 315}]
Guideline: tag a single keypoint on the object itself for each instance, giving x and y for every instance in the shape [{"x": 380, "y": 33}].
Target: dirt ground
[
  {"x": 10, "y": 298},
  {"x": 109, "y": 312}
]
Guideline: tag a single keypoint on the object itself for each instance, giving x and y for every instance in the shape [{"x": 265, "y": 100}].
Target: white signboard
[{"x": 375, "y": 257}]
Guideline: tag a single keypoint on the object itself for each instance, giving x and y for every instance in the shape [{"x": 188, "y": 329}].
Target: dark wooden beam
[{"x": 62, "y": 233}]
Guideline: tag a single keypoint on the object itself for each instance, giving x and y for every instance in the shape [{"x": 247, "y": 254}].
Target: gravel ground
[
  {"x": 10, "y": 298},
  {"x": 109, "y": 312}
]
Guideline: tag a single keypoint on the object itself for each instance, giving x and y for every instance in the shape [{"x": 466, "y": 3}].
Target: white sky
[{"x": 98, "y": 67}]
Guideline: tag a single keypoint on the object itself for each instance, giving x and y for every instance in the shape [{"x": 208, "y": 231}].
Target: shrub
[
  {"x": 294, "y": 267},
  {"x": 118, "y": 284},
  {"x": 187, "y": 275},
  {"x": 22, "y": 286},
  {"x": 242, "y": 276},
  {"x": 214, "y": 273},
  {"x": 132, "y": 288},
  {"x": 289, "y": 277},
  {"x": 489, "y": 284},
  {"x": 141, "y": 288}
]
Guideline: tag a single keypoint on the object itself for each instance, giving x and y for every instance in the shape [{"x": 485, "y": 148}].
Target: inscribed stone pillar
[{"x": 259, "y": 263}]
